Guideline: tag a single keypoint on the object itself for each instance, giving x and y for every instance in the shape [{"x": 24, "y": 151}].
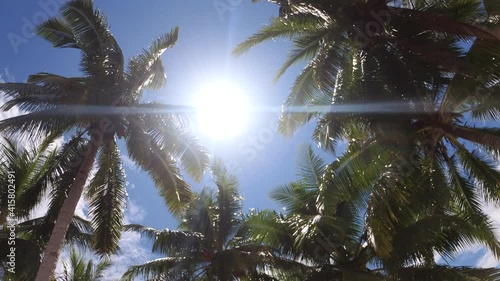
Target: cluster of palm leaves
[
  {"x": 412, "y": 85},
  {"x": 327, "y": 232},
  {"x": 209, "y": 243}
]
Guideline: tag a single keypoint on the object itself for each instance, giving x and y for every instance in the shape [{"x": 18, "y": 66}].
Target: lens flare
[{"x": 222, "y": 110}]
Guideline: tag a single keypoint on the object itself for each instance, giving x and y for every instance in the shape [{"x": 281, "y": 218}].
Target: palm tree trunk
[
  {"x": 447, "y": 24},
  {"x": 51, "y": 253},
  {"x": 493, "y": 30},
  {"x": 473, "y": 135}
]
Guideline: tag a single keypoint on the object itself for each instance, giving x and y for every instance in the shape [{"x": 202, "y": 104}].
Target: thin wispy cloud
[
  {"x": 128, "y": 162},
  {"x": 134, "y": 213},
  {"x": 488, "y": 259},
  {"x": 5, "y": 76},
  {"x": 133, "y": 251},
  {"x": 8, "y": 76}
]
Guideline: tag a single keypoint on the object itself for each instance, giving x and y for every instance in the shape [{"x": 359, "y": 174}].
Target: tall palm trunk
[
  {"x": 472, "y": 135},
  {"x": 51, "y": 253}
]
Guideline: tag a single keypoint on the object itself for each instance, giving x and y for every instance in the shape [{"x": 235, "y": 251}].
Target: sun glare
[{"x": 222, "y": 110}]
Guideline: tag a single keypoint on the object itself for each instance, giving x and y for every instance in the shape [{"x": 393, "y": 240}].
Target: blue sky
[{"x": 209, "y": 30}]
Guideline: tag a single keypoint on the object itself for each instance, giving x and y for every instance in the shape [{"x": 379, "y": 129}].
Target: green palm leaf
[
  {"x": 146, "y": 70},
  {"x": 160, "y": 165},
  {"x": 170, "y": 242},
  {"x": 107, "y": 197},
  {"x": 173, "y": 135},
  {"x": 76, "y": 269},
  {"x": 58, "y": 33}
]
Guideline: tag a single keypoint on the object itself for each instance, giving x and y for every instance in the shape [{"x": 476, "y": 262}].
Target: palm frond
[
  {"x": 159, "y": 267},
  {"x": 78, "y": 269},
  {"x": 107, "y": 196},
  {"x": 65, "y": 166},
  {"x": 102, "y": 57},
  {"x": 146, "y": 70},
  {"x": 199, "y": 216},
  {"x": 37, "y": 124},
  {"x": 57, "y": 32},
  {"x": 482, "y": 169},
  {"x": 305, "y": 49},
  {"x": 489, "y": 137},
  {"x": 282, "y": 28},
  {"x": 311, "y": 167},
  {"x": 175, "y": 137},
  {"x": 464, "y": 189},
  {"x": 160, "y": 165},
  {"x": 169, "y": 242},
  {"x": 269, "y": 228},
  {"x": 294, "y": 113},
  {"x": 228, "y": 208},
  {"x": 443, "y": 272}
]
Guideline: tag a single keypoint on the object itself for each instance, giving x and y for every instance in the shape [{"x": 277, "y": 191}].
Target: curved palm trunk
[
  {"x": 474, "y": 136},
  {"x": 51, "y": 253}
]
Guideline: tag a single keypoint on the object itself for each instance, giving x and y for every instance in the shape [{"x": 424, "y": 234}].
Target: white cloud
[
  {"x": 132, "y": 252},
  {"x": 8, "y": 76},
  {"x": 488, "y": 259},
  {"x": 13, "y": 111},
  {"x": 437, "y": 257},
  {"x": 41, "y": 209},
  {"x": 134, "y": 213},
  {"x": 129, "y": 163},
  {"x": 493, "y": 212},
  {"x": 82, "y": 209}
]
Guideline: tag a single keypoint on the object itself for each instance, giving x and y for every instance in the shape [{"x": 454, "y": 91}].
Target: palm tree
[
  {"x": 382, "y": 235},
  {"x": 35, "y": 171},
  {"x": 208, "y": 245},
  {"x": 38, "y": 172},
  {"x": 77, "y": 270},
  {"x": 391, "y": 98},
  {"x": 367, "y": 169},
  {"x": 404, "y": 58},
  {"x": 443, "y": 129},
  {"x": 24, "y": 170},
  {"x": 105, "y": 104},
  {"x": 31, "y": 238}
]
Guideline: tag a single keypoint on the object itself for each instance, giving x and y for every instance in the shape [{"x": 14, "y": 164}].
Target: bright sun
[{"x": 222, "y": 110}]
